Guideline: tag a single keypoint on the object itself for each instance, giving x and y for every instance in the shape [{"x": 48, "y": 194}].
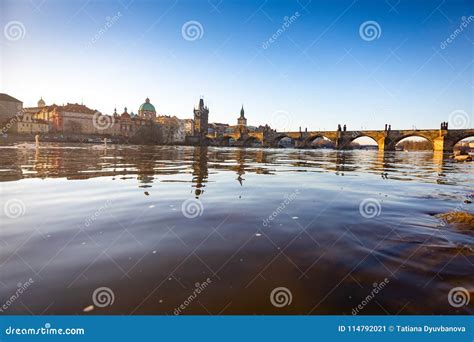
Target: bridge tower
[
  {"x": 242, "y": 121},
  {"x": 201, "y": 120}
]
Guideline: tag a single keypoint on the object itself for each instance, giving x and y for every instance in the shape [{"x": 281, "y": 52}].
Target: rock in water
[
  {"x": 458, "y": 219},
  {"x": 88, "y": 308},
  {"x": 463, "y": 158}
]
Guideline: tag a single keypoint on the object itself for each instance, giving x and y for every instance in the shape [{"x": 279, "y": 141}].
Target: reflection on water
[{"x": 328, "y": 226}]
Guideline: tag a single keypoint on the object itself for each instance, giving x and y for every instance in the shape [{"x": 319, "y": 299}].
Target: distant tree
[
  {"x": 151, "y": 133},
  {"x": 416, "y": 145},
  {"x": 355, "y": 145},
  {"x": 322, "y": 143}
]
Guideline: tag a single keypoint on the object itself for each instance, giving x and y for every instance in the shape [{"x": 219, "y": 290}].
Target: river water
[{"x": 183, "y": 230}]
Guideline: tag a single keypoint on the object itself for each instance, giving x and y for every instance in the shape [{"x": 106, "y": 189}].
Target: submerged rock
[
  {"x": 458, "y": 219},
  {"x": 462, "y": 158}
]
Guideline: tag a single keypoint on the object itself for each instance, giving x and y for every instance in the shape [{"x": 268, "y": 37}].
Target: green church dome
[{"x": 147, "y": 106}]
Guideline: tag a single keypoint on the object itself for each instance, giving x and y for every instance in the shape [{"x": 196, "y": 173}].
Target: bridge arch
[
  {"x": 461, "y": 137},
  {"x": 353, "y": 141},
  {"x": 225, "y": 141},
  {"x": 309, "y": 140},
  {"x": 251, "y": 140},
  {"x": 413, "y": 134},
  {"x": 418, "y": 144},
  {"x": 394, "y": 142},
  {"x": 275, "y": 142},
  {"x": 455, "y": 143}
]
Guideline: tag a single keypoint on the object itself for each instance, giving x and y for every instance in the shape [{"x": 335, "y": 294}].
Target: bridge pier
[
  {"x": 300, "y": 144},
  {"x": 443, "y": 143},
  {"x": 342, "y": 143},
  {"x": 385, "y": 144}
]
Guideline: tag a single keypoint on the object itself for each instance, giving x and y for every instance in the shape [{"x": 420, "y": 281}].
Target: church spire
[{"x": 242, "y": 121}]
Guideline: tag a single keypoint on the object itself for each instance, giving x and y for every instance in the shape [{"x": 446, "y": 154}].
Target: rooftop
[
  {"x": 8, "y": 98},
  {"x": 147, "y": 106},
  {"x": 72, "y": 107}
]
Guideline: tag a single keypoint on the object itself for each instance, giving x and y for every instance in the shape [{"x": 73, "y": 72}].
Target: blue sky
[{"x": 317, "y": 73}]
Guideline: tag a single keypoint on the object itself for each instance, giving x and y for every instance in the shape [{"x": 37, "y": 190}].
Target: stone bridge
[
  {"x": 240, "y": 139},
  {"x": 441, "y": 139}
]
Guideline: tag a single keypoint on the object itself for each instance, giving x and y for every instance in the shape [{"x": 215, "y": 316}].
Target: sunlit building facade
[{"x": 28, "y": 124}]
